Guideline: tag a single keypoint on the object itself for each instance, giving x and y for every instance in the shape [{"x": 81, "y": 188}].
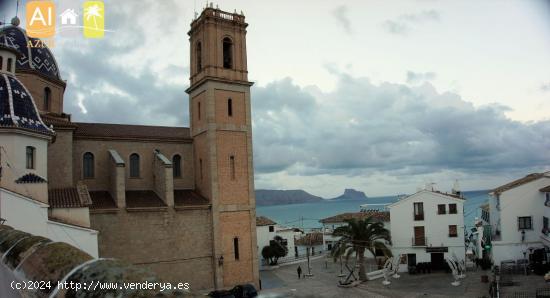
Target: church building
[{"x": 175, "y": 200}]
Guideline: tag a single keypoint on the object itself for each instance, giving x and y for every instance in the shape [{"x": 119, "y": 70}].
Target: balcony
[
  {"x": 419, "y": 241},
  {"x": 418, "y": 216}
]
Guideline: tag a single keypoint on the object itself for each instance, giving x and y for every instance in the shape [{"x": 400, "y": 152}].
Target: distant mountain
[
  {"x": 351, "y": 194},
  {"x": 268, "y": 197}
]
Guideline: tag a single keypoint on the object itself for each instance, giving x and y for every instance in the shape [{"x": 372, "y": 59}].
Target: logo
[
  {"x": 68, "y": 17},
  {"x": 40, "y": 19},
  {"x": 94, "y": 19}
]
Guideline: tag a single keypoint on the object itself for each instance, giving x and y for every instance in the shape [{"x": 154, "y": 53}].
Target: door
[
  {"x": 438, "y": 261},
  {"x": 411, "y": 259}
]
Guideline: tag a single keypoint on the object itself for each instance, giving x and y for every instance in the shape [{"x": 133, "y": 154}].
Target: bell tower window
[
  {"x": 230, "y": 107},
  {"x": 199, "y": 56},
  {"x": 227, "y": 53},
  {"x": 232, "y": 166},
  {"x": 47, "y": 98}
]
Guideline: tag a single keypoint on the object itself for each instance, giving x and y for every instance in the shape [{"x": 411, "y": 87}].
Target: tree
[
  {"x": 358, "y": 236},
  {"x": 275, "y": 250}
]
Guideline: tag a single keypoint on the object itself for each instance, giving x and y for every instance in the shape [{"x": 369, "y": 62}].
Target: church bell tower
[{"x": 220, "y": 120}]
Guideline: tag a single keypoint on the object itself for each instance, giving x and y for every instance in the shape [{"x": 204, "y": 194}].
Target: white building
[
  {"x": 427, "y": 226},
  {"x": 25, "y": 201},
  {"x": 519, "y": 213},
  {"x": 267, "y": 230}
]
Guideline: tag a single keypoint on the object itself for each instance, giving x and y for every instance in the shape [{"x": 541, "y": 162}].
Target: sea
[{"x": 307, "y": 215}]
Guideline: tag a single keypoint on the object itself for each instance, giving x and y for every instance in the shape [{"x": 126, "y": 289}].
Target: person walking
[{"x": 299, "y": 270}]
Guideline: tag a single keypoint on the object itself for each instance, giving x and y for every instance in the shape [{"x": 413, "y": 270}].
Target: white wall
[
  {"x": 15, "y": 154},
  {"x": 263, "y": 235},
  {"x": 436, "y": 226},
  {"x": 31, "y": 216},
  {"x": 82, "y": 238},
  {"x": 524, "y": 200}
]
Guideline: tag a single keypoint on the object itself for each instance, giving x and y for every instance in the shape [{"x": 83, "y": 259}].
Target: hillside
[{"x": 268, "y": 197}]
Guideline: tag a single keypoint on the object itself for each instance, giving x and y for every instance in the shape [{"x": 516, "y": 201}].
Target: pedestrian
[{"x": 299, "y": 270}]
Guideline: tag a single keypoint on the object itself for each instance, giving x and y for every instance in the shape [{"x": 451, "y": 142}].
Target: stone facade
[
  {"x": 177, "y": 245},
  {"x": 222, "y": 130},
  {"x": 179, "y": 201}
]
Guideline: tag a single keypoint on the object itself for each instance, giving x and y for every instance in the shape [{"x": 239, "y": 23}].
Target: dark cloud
[
  {"x": 361, "y": 127},
  {"x": 341, "y": 16},
  {"x": 418, "y": 77},
  {"x": 7, "y": 10},
  {"x": 102, "y": 89},
  {"x": 403, "y": 24},
  {"x": 355, "y": 130}
]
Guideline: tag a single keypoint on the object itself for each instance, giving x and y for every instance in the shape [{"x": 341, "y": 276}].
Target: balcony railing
[
  {"x": 419, "y": 216},
  {"x": 420, "y": 241}
]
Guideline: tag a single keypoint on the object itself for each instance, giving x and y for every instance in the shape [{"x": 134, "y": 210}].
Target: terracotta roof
[
  {"x": 310, "y": 239},
  {"x": 378, "y": 215},
  {"x": 264, "y": 221},
  {"x": 67, "y": 198},
  {"x": 135, "y": 132},
  {"x": 143, "y": 199},
  {"x": 30, "y": 178},
  {"x": 516, "y": 183},
  {"x": 545, "y": 189},
  {"x": 57, "y": 120},
  {"x": 102, "y": 200},
  {"x": 183, "y": 197}
]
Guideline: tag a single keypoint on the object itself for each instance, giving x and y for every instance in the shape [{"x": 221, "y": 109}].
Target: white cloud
[{"x": 403, "y": 24}]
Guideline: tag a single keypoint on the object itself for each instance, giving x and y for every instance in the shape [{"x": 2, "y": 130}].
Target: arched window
[
  {"x": 199, "y": 56},
  {"x": 47, "y": 98},
  {"x": 10, "y": 61},
  {"x": 134, "y": 165},
  {"x": 230, "y": 107},
  {"x": 176, "y": 165},
  {"x": 227, "y": 53},
  {"x": 88, "y": 165},
  {"x": 30, "y": 154}
]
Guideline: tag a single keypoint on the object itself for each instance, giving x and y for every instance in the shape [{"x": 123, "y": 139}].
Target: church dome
[
  {"x": 17, "y": 108},
  {"x": 39, "y": 59}
]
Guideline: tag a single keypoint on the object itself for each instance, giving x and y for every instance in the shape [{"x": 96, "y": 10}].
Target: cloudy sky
[{"x": 381, "y": 96}]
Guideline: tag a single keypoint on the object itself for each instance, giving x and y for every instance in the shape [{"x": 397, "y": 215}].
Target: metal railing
[{"x": 420, "y": 241}]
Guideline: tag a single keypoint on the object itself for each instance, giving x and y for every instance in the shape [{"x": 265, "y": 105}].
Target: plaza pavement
[{"x": 284, "y": 282}]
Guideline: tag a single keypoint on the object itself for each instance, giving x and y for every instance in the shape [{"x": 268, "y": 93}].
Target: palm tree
[{"x": 358, "y": 236}]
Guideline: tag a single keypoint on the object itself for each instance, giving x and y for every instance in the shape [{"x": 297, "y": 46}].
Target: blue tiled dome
[
  {"x": 17, "y": 108},
  {"x": 33, "y": 58}
]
